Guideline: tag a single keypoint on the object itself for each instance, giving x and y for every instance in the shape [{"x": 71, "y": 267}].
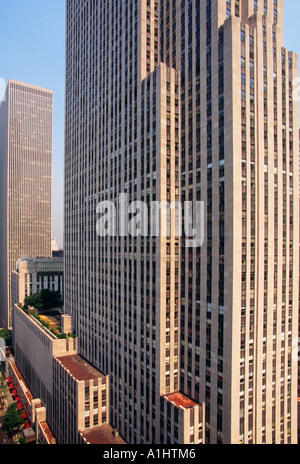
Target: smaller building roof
[
  {"x": 29, "y": 434},
  {"x": 79, "y": 368},
  {"x": 47, "y": 433},
  {"x": 103, "y": 435},
  {"x": 181, "y": 400}
]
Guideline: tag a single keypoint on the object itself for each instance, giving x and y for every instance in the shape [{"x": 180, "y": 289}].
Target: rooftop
[
  {"x": 181, "y": 400},
  {"x": 47, "y": 432},
  {"x": 102, "y": 436},
  {"x": 79, "y": 368},
  {"x": 47, "y": 321},
  {"x": 40, "y": 265},
  {"x": 54, "y": 322},
  {"x": 30, "y": 86}
]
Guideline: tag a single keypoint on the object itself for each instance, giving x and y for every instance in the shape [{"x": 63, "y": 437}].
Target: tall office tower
[
  {"x": 25, "y": 181},
  {"x": 239, "y": 292},
  {"x": 123, "y": 138},
  {"x": 199, "y": 91}
]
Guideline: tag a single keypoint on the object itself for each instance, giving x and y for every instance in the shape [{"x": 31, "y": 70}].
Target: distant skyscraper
[
  {"x": 55, "y": 247},
  {"x": 25, "y": 181},
  {"x": 187, "y": 100}
]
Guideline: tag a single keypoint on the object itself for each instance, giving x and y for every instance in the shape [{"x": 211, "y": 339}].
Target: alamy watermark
[{"x": 157, "y": 219}]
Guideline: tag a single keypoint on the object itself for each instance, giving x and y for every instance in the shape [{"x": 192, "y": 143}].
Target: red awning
[
  {"x": 11, "y": 386},
  {"x": 17, "y": 399},
  {"x": 15, "y": 393},
  {"x": 20, "y": 406},
  {"x": 24, "y": 415},
  {"x": 27, "y": 426},
  {"x": 9, "y": 379}
]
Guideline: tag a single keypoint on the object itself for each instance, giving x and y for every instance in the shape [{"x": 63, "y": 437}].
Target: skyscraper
[
  {"x": 190, "y": 100},
  {"x": 25, "y": 181},
  {"x": 239, "y": 292}
]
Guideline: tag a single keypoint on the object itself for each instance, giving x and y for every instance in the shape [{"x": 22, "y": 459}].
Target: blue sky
[{"x": 32, "y": 50}]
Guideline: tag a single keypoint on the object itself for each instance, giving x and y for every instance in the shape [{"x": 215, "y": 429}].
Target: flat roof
[
  {"x": 102, "y": 436},
  {"x": 31, "y": 86},
  {"x": 47, "y": 432},
  {"x": 79, "y": 368},
  {"x": 181, "y": 400}
]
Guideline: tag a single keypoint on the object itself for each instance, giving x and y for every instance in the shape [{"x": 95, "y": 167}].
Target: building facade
[
  {"x": 122, "y": 137},
  {"x": 32, "y": 276},
  {"x": 190, "y": 101},
  {"x": 239, "y": 292},
  {"x": 25, "y": 183}
]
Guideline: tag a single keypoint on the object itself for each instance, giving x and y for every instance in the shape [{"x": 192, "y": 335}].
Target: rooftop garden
[
  {"x": 45, "y": 307},
  {"x": 44, "y": 301}
]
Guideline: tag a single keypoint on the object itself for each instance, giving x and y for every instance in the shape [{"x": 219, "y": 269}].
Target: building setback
[
  {"x": 25, "y": 181},
  {"x": 188, "y": 101}
]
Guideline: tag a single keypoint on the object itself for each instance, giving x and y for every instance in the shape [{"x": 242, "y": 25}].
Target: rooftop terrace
[
  {"x": 80, "y": 369},
  {"x": 102, "y": 436},
  {"x": 181, "y": 400}
]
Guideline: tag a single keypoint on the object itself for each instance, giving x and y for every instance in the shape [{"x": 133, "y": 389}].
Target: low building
[
  {"x": 74, "y": 395},
  {"x": 85, "y": 406},
  {"x": 32, "y": 409},
  {"x": 185, "y": 420},
  {"x": 32, "y": 276}
]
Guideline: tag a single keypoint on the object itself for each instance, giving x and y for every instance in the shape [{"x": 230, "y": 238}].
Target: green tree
[
  {"x": 33, "y": 301},
  {"x": 22, "y": 441},
  {"x": 50, "y": 299},
  {"x": 44, "y": 300},
  {"x": 12, "y": 420},
  {"x": 7, "y": 336}
]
